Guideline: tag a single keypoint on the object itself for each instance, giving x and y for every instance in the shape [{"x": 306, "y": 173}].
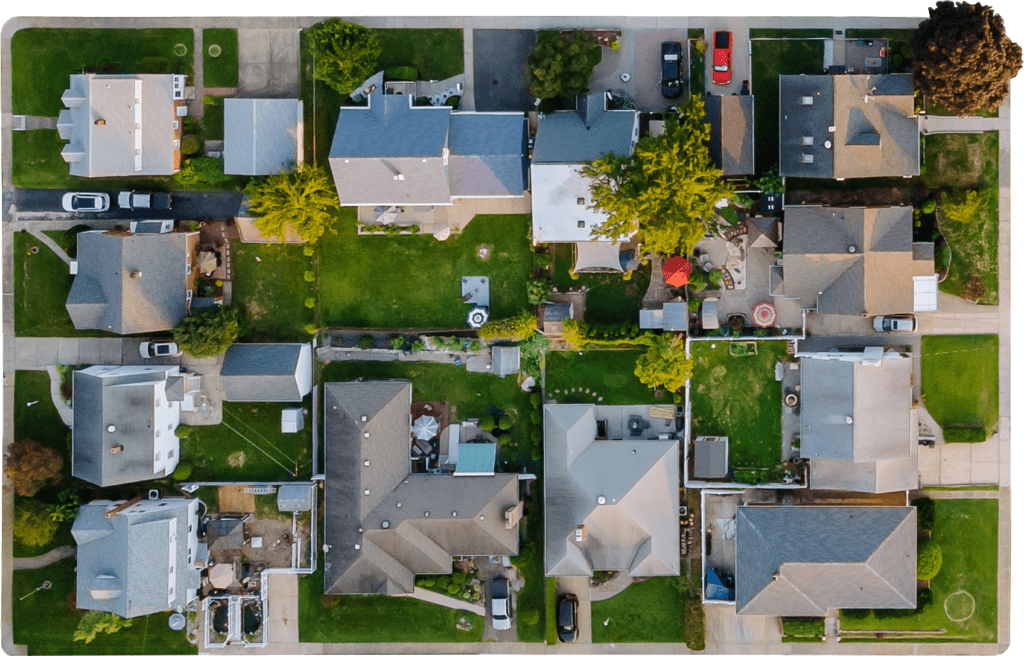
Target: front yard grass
[
  {"x": 611, "y": 299},
  {"x": 609, "y": 375},
  {"x": 791, "y": 33},
  {"x": 436, "y": 53},
  {"x": 968, "y": 532},
  {"x": 647, "y": 611},
  {"x": 46, "y": 621},
  {"x": 41, "y": 284},
  {"x": 739, "y": 397},
  {"x": 960, "y": 379},
  {"x": 270, "y": 293},
  {"x": 222, "y": 70},
  {"x": 414, "y": 281},
  {"x": 959, "y": 160}
]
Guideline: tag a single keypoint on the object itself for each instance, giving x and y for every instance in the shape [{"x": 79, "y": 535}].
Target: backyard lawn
[
  {"x": 530, "y": 562},
  {"x": 739, "y": 397},
  {"x": 220, "y": 70},
  {"x": 959, "y": 160},
  {"x": 607, "y": 374},
  {"x": 212, "y": 123},
  {"x": 968, "y": 532},
  {"x": 648, "y": 611},
  {"x": 610, "y": 298},
  {"x": 960, "y": 379},
  {"x": 435, "y": 53},
  {"x": 271, "y": 293},
  {"x": 414, "y": 281},
  {"x": 769, "y": 60}
]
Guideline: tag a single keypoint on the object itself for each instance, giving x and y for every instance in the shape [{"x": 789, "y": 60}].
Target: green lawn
[
  {"x": 609, "y": 374},
  {"x": 795, "y": 33},
  {"x": 968, "y": 531},
  {"x": 530, "y": 562},
  {"x": 611, "y": 299},
  {"x": 46, "y": 620},
  {"x": 212, "y": 124},
  {"x": 222, "y": 70},
  {"x": 960, "y": 379},
  {"x": 938, "y": 109},
  {"x": 649, "y": 611},
  {"x": 959, "y": 160},
  {"x": 41, "y": 285},
  {"x": 249, "y": 446},
  {"x": 43, "y": 58},
  {"x": 435, "y": 53},
  {"x": 271, "y": 293},
  {"x": 414, "y": 281},
  {"x": 769, "y": 60},
  {"x": 738, "y": 397}
]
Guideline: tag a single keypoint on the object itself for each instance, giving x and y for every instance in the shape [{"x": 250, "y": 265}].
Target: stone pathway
[
  {"x": 48, "y": 558},
  {"x": 197, "y": 108},
  {"x": 657, "y": 292}
]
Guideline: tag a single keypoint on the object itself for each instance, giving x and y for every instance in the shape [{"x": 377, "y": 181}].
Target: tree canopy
[
  {"x": 300, "y": 200},
  {"x": 512, "y": 329},
  {"x": 665, "y": 364},
  {"x": 963, "y": 59},
  {"x": 561, "y": 67},
  {"x": 666, "y": 190},
  {"x": 208, "y": 332},
  {"x": 29, "y": 465},
  {"x": 95, "y": 622},
  {"x": 32, "y": 525},
  {"x": 344, "y": 54}
]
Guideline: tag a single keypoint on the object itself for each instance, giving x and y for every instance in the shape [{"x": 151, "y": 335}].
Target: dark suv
[
  {"x": 671, "y": 56},
  {"x": 568, "y": 630}
]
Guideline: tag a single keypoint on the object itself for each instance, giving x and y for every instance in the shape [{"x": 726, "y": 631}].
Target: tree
[
  {"x": 513, "y": 329},
  {"x": 300, "y": 200},
  {"x": 561, "y": 67},
  {"x": 665, "y": 364},
  {"x": 29, "y": 465},
  {"x": 487, "y": 423},
  {"x": 32, "y": 525},
  {"x": 963, "y": 59},
  {"x": 95, "y": 622},
  {"x": 208, "y": 332},
  {"x": 574, "y": 333},
  {"x": 344, "y": 54},
  {"x": 539, "y": 291},
  {"x": 929, "y": 560},
  {"x": 925, "y": 513},
  {"x": 505, "y": 422},
  {"x": 666, "y": 190}
]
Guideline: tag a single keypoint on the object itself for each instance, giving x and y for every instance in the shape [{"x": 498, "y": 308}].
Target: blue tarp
[{"x": 716, "y": 589}]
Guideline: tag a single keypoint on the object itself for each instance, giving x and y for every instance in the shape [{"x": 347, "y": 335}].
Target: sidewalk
[
  {"x": 444, "y": 600},
  {"x": 47, "y": 559}
]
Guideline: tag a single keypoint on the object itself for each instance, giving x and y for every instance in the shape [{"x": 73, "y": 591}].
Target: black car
[
  {"x": 671, "y": 57},
  {"x": 568, "y": 630}
]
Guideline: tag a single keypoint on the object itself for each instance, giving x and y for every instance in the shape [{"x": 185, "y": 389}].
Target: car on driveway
[
  {"x": 159, "y": 349},
  {"x": 85, "y": 201},
  {"x": 134, "y": 200},
  {"x": 501, "y": 604},
  {"x": 721, "y": 72},
  {"x": 568, "y": 627},
  {"x": 896, "y": 323},
  {"x": 671, "y": 55}
]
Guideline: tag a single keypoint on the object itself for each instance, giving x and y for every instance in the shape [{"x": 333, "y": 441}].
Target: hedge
[
  {"x": 929, "y": 560},
  {"x": 694, "y": 625},
  {"x": 925, "y": 513},
  {"x": 803, "y": 627}
]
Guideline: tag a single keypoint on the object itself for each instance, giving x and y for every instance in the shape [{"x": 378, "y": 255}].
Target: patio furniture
[{"x": 425, "y": 428}]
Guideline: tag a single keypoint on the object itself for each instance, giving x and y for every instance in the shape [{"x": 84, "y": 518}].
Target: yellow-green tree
[
  {"x": 665, "y": 364},
  {"x": 208, "y": 332},
  {"x": 96, "y": 622},
  {"x": 302, "y": 200},
  {"x": 512, "y": 329}
]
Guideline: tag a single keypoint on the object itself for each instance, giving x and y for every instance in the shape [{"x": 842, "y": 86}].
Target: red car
[{"x": 721, "y": 73}]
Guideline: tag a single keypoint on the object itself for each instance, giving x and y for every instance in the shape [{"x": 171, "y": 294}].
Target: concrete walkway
[
  {"x": 443, "y": 600},
  {"x": 23, "y": 122},
  {"x": 39, "y": 234},
  {"x": 38, "y": 353},
  {"x": 67, "y": 415},
  {"x": 954, "y": 493},
  {"x": 609, "y": 589},
  {"x": 48, "y": 558},
  {"x": 950, "y": 124}
]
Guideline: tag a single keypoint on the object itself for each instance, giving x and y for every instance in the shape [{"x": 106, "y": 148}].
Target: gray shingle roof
[
  {"x": 798, "y": 120},
  {"x": 585, "y": 134},
  {"x": 802, "y": 561},
  {"x": 710, "y": 459},
  {"x": 732, "y": 133},
  {"x": 488, "y": 154},
  {"x": 261, "y": 136},
  {"x": 266, "y": 372}
]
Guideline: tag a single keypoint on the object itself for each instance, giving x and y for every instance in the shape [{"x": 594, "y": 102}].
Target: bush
[
  {"x": 538, "y": 291},
  {"x": 929, "y": 560},
  {"x": 803, "y": 627},
  {"x": 309, "y": 276},
  {"x": 401, "y": 74},
  {"x": 694, "y": 625},
  {"x": 515, "y": 328},
  {"x": 965, "y": 434},
  {"x": 453, "y": 589},
  {"x": 428, "y": 582},
  {"x": 32, "y": 526},
  {"x": 397, "y": 342},
  {"x": 857, "y": 613},
  {"x": 182, "y": 431},
  {"x": 366, "y": 342},
  {"x": 536, "y": 417},
  {"x": 677, "y": 399},
  {"x": 694, "y": 304},
  {"x": 310, "y": 328},
  {"x": 310, "y": 302},
  {"x": 458, "y": 578},
  {"x": 928, "y": 206},
  {"x": 925, "y": 513},
  {"x": 505, "y": 422},
  {"x": 715, "y": 278},
  {"x": 418, "y": 345},
  {"x": 542, "y": 260},
  {"x": 182, "y": 472},
  {"x": 308, "y": 250},
  {"x": 487, "y": 423},
  {"x": 924, "y": 598},
  {"x": 190, "y": 144}
]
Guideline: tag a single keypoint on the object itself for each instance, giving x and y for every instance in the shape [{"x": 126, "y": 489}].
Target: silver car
[
  {"x": 895, "y": 323},
  {"x": 85, "y": 201}
]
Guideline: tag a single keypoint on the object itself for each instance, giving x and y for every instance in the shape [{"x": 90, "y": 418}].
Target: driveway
[
  {"x": 729, "y": 633},
  {"x": 488, "y": 572},
  {"x": 499, "y": 70},
  {"x": 268, "y": 63},
  {"x": 740, "y": 53},
  {"x": 647, "y": 68},
  {"x": 579, "y": 586},
  {"x": 184, "y": 205}
]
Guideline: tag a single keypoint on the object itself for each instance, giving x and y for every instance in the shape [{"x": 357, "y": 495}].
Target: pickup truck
[
  {"x": 501, "y": 604},
  {"x": 133, "y": 200}
]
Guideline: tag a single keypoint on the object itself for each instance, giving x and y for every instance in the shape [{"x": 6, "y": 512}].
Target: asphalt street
[{"x": 184, "y": 205}]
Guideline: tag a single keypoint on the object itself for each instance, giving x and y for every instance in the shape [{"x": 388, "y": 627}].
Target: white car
[
  {"x": 159, "y": 349},
  {"x": 85, "y": 201},
  {"x": 501, "y": 604},
  {"x": 896, "y": 323}
]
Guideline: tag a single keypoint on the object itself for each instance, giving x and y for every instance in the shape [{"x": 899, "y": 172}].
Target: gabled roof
[
  {"x": 796, "y": 561},
  {"x": 262, "y": 136},
  {"x": 505, "y": 360},
  {"x": 267, "y": 372},
  {"x": 488, "y": 154},
  {"x": 732, "y": 133},
  {"x": 586, "y": 133}
]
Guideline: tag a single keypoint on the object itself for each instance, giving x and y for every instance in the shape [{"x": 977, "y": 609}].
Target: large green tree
[
  {"x": 344, "y": 54},
  {"x": 208, "y": 332},
  {"x": 301, "y": 200},
  {"x": 963, "y": 59},
  {"x": 560, "y": 67},
  {"x": 665, "y": 364},
  {"x": 30, "y": 465},
  {"x": 32, "y": 525},
  {"x": 666, "y": 191},
  {"x": 95, "y": 622}
]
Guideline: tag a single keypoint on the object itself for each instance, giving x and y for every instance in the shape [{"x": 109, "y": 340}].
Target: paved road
[{"x": 184, "y": 205}]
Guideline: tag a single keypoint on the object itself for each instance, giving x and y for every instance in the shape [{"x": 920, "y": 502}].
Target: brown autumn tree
[
  {"x": 30, "y": 464},
  {"x": 963, "y": 59}
]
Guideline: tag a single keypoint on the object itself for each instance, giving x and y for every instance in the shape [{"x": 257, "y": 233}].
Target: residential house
[
  {"x": 130, "y": 283},
  {"x": 124, "y": 421},
  {"x": 122, "y": 125},
  {"x": 803, "y": 561},
  {"x": 857, "y": 260},
  {"x": 611, "y": 490},
  {"x": 262, "y": 136},
  {"x": 383, "y": 523},
  {"x": 848, "y": 126},
  {"x": 732, "y": 133},
  {"x": 267, "y": 372},
  {"x": 137, "y": 557}
]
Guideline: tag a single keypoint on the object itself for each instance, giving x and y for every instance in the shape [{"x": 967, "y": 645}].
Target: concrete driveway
[
  {"x": 647, "y": 68},
  {"x": 729, "y": 633},
  {"x": 579, "y": 586},
  {"x": 499, "y": 70},
  {"x": 268, "y": 63},
  {"x": 740, "y": 57},
  {"x": 488, "y": 572}
]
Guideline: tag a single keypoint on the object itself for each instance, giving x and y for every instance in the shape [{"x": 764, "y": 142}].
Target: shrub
[
  {"x": 928, "y": 206},
  {"x": 418, "y": 345},
  {"x": 536, "y": 417},
  {"x": 924, "y": 598},
  {"x": 309, "y": 276},
  {"x": 929, "y": 560},
  {"x": 32, "y": 526},
  {"x": 574, "y": 276},
  {"x": 453, "y": 101},
  {"x": 715, "y": 278},
  {"x": 366, "y": 342},
  {"x": 182, "y": 472},
  {"x": 677, "y": 399},
  {"x": 857, "y": 613},
  {"x": 401, "y": 73},
  {"x": 310, "y": 328},
  {"x": 965, "y": 434},
  {"x": 925, "y": 513},
  {"x": 694, "y": 304},
  {"x": 542, "y": 260},
  {"x": 538, "y": 291},
  {"x": 453, "y": 589},
  {"x": 515, "y": 328},
  {"x": 308, "y": 250},
  {"x": 695, "y": 628},
  {"x": 536, "y": 400},
  {"x": 310, "y": 302},
  {"x": 487, "y": 423},
  {"x": 190, "y": 144},
  {"x": 428, "y": 582},
  {"x": 182, "y": 431},
  {"x": 458, "y": 578},
  {"x": 505, "y": 422},
  {"x": 397, "y": 342}
]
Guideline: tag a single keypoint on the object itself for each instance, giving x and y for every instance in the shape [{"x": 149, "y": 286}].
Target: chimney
[
  {"x": 513, "y": 515},
  {"x": 136, "y": 274},
  {"x": 101, "y": 121},
  {"x": 581, "y": 532},
  {"x": 117, "y": 448}
]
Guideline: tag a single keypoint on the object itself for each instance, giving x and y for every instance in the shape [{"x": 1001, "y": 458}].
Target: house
[
  {"x": 267, "y": 372},
  {"x": 262, "y": 136},
  {"x": 732, "y": 133},
  {"x": 122, "y": 125},
  {"x": 802, "y": 561},
  {"x": 132, "y": 283},
  {"x": 384, "y": 524},
  {"x": 137, "y": 557},
  {"x": 848, "y": 126},
  {"x": 561, "y": 198},
  {"x": 611, "y": 490},
  {"x": 857, "y": 260},
  {"x": 858, "y": 421},
  {"x": 124, "y": 422},
  {"x": 392, "y": 152}
]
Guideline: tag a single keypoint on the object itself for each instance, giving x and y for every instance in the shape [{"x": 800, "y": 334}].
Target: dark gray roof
[
  {"x": 105, "y": 295},
  {"x": 225, "y": 533},
  {"x": 488, "y": 154},
  {"x": 556, "y": 311},
  {"x": 390, "y": 127},
  {"x": 584, "y": 134},
  {"x": 710, "y": 458},
  {"x": 732, "y": 133},
  {"x": 797, "y": 120},
  {"x": 265, "y": 372},
  {"x": 803, "y": 561},
  {"x": 261, "y": 136}
]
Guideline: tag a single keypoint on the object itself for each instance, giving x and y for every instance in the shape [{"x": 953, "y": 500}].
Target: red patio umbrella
[
  {"x": 764, "y": 315},
  {"x": 676, "y": 271}
]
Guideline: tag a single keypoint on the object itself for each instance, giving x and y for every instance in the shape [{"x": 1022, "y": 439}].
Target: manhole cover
[
  {"x": 180, "y": 50},
  {"x": 214, "y": 50}
]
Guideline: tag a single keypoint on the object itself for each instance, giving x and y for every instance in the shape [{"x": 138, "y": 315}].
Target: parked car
[
  {"x": 671, "y": 54},
  {"x": 501, "y": 604},
  {"x": 568, "y": 606},
  {"x": 133, "y": 200},
  {"x": 85, "y": 201},
  {"x": 896, "y": 323},
  {"x": 721, "y": 73},
  {"x": 159, "y": 349}
]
